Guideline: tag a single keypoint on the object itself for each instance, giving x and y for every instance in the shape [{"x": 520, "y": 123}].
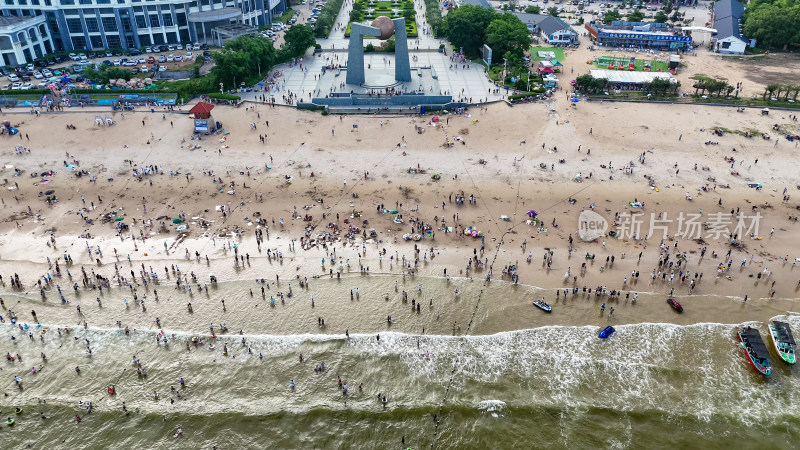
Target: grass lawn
[
  {"x": 603, "y": 61},
  {"x": 385, "y": 8},
  {"x": 558, "y": 51},
  {"x": 411, "y": 29}
]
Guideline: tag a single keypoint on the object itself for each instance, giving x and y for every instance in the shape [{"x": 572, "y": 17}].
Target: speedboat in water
[
  {"x": 755, "y": 350},
  {"x": 783, "y": 340},
  {"x": 606, "y": 332},
  {"x": 675, "y": 305},
  {"x": 542, "y": 305}
]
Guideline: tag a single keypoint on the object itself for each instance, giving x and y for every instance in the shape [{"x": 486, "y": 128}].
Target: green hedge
[
  {"x": 224, "y": 96},
  {"x": 21, "y": 92},
  {"x": 326, "y": 19},
  {"x": 536, "y": 91},
  {"x": 434, "y": 15}
]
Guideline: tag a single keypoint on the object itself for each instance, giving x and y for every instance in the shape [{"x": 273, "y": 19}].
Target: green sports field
[{"x": 639, "y": 63}]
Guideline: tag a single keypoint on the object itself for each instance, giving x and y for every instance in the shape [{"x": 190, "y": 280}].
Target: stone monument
[{"x": 382, "y": 28}]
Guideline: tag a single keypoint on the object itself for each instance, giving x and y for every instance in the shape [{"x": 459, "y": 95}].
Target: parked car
[
  {"x": 148, "y": 50},
  {"x": 170, "y": 57},
  {"x": 16, "y": 86},
  {"x": 189, "y": 56},
  {"x": 38, "y": 75},
  {"x": 135, "y": 52},
  {"x": 178, "y": 58},
  {"x": 13, "y": 77},
  {"x": 171, "y": 48},
  {"x": 179, "y": 46},
  {"x": 117, "y": 62},
  {"x": 27, "y": 86},
  {"x": 84, "y": 63},
  {"x": 162, "y": 59}
]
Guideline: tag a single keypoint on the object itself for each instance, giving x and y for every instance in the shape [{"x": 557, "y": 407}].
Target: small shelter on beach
[{"x": 202, "y": 110}]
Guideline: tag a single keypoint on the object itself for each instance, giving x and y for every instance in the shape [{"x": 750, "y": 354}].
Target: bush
[
  {"x": 25, "y": 92},
  {"x": 219, "y": 96},
  {"x": 327, "y": 18},
  {"x": 434, "y": 15},
  {"x": 534, "y": 92}
]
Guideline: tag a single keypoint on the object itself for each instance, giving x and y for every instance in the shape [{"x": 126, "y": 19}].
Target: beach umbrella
[
  {"x": 177, "y": 220},
  {"x": 532, "y": 213},
  {"x": 574, "y": 100}
]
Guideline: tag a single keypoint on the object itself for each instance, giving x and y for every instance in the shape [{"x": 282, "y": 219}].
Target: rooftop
[
  {"x": 727, "y": 27},
  {"x": 621, "y": 76},
  {"x": 728, "y": 8},
  {"x": 544, "y": 22},
  {"x": 482, "y": 3},
  {"x": 215, "y": 15}
]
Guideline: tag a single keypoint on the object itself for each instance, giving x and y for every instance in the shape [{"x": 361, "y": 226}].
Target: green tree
[
  {"x": 298, "y": 39},
  {"x": 533, "y": 10},
  {"x": 553, "y": 11},
  {"x": 661, "y": 17},
  {"x": 612, "y": 15},
  {"x": 244, "y": 59},
  {"x": 770, "y": 89},
  {"x": 465, "y": 27},
  {"x": 506, "y": 33},
  {"x": 584, "y": 82},
  {"x": 635, "y": 16},
  {"x": 773, "y": 25},
  {"x": 104, "y": 74}
]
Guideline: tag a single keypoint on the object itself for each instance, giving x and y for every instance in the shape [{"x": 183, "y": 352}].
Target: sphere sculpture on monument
[{"x": 386, "y": 26}]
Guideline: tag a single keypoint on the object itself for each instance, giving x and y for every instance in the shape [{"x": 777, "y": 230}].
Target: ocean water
[{"x": 650, "y": 385}]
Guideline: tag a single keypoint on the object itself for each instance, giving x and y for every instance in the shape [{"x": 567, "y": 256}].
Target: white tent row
[{"x": 630, "y": 77}]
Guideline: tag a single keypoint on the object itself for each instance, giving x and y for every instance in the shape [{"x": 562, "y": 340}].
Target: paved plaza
[{"x": 431, "y": 71}]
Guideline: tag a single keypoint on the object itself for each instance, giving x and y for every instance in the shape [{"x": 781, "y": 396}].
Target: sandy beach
[
  {"x": 513, "y": 143},
  {"x": 447, "y": 293}
]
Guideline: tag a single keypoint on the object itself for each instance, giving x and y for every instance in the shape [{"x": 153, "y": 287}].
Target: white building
[
  {"x": 107, "y": 24},
  {"x": 23, "y": 39},
  {"x": 728, "y": 22}
]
